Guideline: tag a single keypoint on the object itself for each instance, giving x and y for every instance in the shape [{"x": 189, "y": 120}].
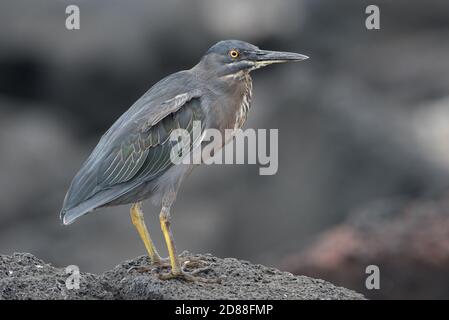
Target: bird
[{"x": 131, "y": 162}]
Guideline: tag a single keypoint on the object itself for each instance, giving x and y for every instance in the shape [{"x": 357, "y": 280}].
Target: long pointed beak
[{"x": 266, "y": 57}]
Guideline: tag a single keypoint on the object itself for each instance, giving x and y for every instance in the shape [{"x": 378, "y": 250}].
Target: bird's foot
[
  {"x": 187, "y": 263},
  {"x": 193, "y": 263},
  {"x": 154, "y": 265},
  {"x": 191, "y": 267},
  {"x": 189, "y": 276}
]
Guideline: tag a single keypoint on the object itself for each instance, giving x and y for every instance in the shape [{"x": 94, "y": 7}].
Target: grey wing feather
[
  {"x": 169, "y": 106},
  {"x": 134, "y": 150}
]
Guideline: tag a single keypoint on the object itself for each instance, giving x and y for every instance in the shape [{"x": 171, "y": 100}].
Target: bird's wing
[
  {"x": 144, "y": 149},
  {"x": 136, "y": 149}
]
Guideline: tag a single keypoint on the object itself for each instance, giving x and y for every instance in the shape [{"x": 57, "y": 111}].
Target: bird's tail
[{"x": 69, "y": 214}]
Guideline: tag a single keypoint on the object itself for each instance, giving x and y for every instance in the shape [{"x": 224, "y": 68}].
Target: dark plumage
[{"x": 132, "y": 160}]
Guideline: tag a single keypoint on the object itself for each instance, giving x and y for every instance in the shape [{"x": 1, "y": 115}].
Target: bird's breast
[
  {"x": 232, "y": 103},
  {"x": 244, "y": 105}
]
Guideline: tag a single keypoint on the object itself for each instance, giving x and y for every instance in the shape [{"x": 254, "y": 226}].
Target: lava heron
[{"x": 132, "y": 161}]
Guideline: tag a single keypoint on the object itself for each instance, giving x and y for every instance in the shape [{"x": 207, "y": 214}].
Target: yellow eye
[{"x": 234, "y": 54}]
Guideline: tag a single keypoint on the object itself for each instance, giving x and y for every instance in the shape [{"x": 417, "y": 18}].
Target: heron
[{"x": 131, "y": 163}]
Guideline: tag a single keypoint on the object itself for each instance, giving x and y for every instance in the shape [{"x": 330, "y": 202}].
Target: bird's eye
[{"x": 234, "y": 54}]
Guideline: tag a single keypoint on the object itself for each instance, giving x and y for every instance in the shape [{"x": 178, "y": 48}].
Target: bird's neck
[
  {"x": 245, "y": 103},
  {"x": 208, "y": 70}
]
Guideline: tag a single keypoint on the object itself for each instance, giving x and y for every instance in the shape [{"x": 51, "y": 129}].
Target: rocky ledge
[{"x": 23, "y": 276}]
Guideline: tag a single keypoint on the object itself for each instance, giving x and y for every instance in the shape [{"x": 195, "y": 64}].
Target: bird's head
[{"x": 230, "y": 57}]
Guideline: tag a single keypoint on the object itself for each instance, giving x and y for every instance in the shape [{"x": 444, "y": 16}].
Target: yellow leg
[
  {"x": 164, "y": 219},
  {"x": 139, "y": 223},
  {"x": 176, "y": 269}
]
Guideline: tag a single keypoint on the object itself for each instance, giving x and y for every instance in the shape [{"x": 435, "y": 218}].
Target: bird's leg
[
  {"x": 164, "y": 218},
  {"x": 176, "y": 269},
  {"x": 139, "y": 223}
]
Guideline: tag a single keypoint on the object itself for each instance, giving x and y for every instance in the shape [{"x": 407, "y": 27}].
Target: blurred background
[{"x": 363, "y": 135}]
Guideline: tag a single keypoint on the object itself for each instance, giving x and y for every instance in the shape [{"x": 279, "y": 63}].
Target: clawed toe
[
  {"x": 162, "y": 262},
  {"x": 141, "y": 269},
  {"x": 193, "y": 263},
  {"x": 190, "y": 268},
  {"x": 154, "y": 266},
  {"x": 187, "y": 276}
]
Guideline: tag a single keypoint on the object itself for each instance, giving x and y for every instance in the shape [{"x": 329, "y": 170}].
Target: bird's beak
[{"x": 265, "y": 57}]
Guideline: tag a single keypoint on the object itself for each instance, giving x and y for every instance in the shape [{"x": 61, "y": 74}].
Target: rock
[{"x": 23, "y": 276}]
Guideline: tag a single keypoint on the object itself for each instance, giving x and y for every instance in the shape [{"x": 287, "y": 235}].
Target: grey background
[{"x": 365, "y": 118}]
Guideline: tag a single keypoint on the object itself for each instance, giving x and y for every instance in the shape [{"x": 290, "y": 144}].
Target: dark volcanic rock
[{"x": 23, "y": 276}]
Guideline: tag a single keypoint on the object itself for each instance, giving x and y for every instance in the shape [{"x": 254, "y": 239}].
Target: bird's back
[{"x": 136, "y": 148}]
